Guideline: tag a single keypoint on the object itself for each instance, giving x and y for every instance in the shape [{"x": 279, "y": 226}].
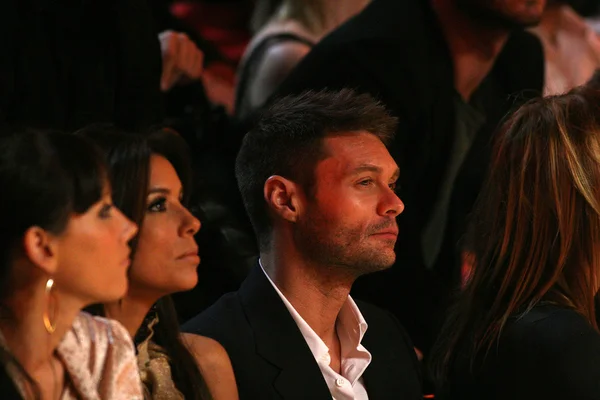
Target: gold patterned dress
[{"x": 155, "y": 371}]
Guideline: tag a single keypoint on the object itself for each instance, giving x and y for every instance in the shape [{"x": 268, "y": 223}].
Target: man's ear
[
  {"x": 283, "y": 197},
  {"x": 41, "y": 248}
]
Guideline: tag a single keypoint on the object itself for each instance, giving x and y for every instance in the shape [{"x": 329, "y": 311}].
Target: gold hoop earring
[{"x": 50, "y": 327}]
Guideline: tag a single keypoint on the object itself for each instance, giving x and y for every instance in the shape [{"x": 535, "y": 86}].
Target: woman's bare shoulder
[{"x": 214, "y": 364}]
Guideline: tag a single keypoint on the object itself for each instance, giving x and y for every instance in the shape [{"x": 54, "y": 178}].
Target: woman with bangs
[
  {"x": 63, "y": 246},
  {"x": 151, "y": 177},
  {"x": 524, "y": 326}
]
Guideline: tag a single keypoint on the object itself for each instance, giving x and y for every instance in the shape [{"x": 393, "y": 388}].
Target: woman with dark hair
[
  {"x": 63, "y": 246},
  {"x": 150, "y": 177},
  {"x": 524, "y": 327}
]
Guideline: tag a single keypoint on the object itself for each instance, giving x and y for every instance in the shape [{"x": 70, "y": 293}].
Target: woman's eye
[
  {"x": 105, "y": 211},
  {"x": 158, "y": 205}
]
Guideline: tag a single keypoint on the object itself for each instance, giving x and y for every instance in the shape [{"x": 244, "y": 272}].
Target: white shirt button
[
  {"x": 339, "y": 382},
  {"x": 326, "y": 358}
]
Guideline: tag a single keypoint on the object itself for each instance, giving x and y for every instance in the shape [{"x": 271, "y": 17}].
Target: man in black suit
[
  {"x": 449, "y": 70},
  {"x": 318, "y": 183}
]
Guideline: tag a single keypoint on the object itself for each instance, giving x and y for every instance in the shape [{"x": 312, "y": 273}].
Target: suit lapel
[
  {"x": 378, "y": 377},
  {"x": 280, "y": 342},
  {"x": 393, "y": 371}
]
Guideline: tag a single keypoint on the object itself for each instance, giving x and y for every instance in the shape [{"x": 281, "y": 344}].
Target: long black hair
[
  {"x": 45, "y": 178},
  {"x": 186, "y": 375},
  {"x": 128, "y": 156}
]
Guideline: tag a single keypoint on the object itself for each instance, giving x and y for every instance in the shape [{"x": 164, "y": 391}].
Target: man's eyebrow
[
  {"x": 366, "y": 167},
  {"x": 373, "y": 168}
]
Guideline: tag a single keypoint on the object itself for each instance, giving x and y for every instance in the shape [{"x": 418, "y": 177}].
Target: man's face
[
  {"x": 504, "y": 14},
  {"x": 349, "y": 220}
]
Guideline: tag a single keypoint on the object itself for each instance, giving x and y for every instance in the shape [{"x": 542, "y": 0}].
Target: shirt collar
[{"x": 350, "y": 322}]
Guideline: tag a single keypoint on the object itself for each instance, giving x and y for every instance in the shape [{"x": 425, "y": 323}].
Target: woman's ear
[
  {"x": 41, "y": 248},
  {"x": 283, "y": 197}
]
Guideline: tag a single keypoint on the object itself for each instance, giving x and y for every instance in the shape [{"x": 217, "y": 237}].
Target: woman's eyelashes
[
  {"x": 105, "y": 211},
  {"x": 158, "y": 204}
]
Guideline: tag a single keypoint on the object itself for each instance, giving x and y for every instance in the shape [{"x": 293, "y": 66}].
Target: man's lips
[{"x": 387, "y": 233}]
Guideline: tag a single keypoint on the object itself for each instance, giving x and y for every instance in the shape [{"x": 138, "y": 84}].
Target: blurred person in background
[
  {"x": 284, "y": 32},
  {"x": 571, "y": 46},
  {"x": 68, "y": 64}
]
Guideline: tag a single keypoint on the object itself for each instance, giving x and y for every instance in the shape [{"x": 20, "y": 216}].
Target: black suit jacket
[
  {"x": 396, "y": 51},
  {"x": 271, "y": 359}
]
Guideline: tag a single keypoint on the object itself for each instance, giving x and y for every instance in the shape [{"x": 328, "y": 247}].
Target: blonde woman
[{"x": 285, "y": 31}]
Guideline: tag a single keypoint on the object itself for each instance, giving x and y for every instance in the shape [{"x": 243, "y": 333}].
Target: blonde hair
[{"x": 308, "y": 13}]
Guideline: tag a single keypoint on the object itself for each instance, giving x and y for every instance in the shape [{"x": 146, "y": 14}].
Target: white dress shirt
[{"x": 351, "y": 327}]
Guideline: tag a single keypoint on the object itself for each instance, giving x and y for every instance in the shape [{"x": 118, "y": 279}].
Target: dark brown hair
[{"x": 288, "y": 141}]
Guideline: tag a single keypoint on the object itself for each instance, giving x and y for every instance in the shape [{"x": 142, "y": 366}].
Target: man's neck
[
  {"x": 473, "y": 46},
  {"x": 317, "y": 293}
]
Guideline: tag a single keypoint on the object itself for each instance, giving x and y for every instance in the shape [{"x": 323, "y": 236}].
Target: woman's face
[
  {"x": 166, "y": 256},
  {"x": 93, "y": 253}
]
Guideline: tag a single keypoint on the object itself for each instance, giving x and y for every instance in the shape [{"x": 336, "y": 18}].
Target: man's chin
[{"x": 378, "y": 264}]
